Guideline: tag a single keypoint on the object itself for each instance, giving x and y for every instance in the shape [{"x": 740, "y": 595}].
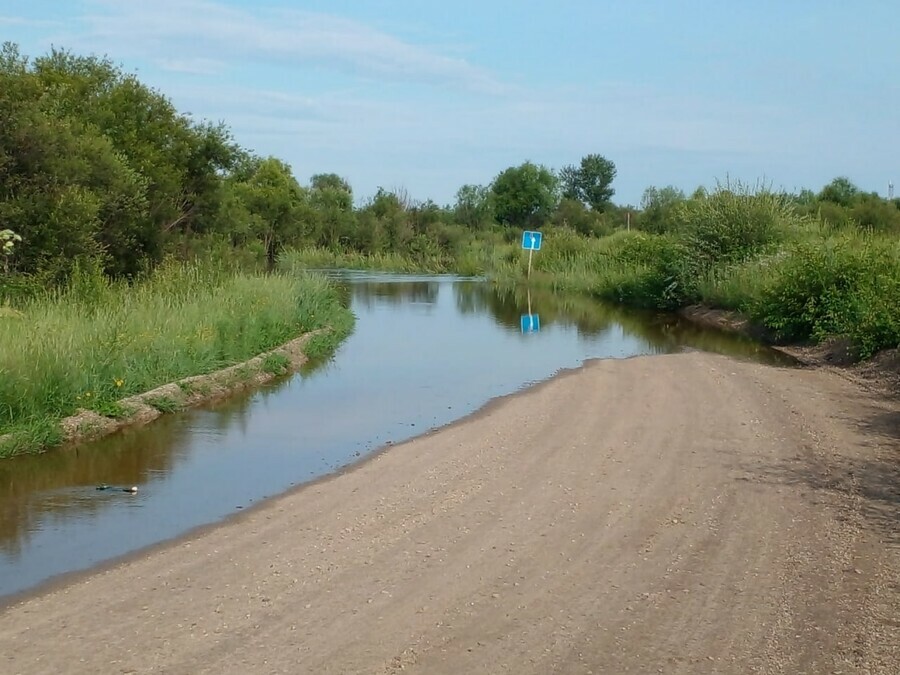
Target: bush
[
  {"x": 847, "y": 285},
  {"x": 731, "y": 225}
]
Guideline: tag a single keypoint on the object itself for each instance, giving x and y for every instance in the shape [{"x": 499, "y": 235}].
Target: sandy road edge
[
  {"x": 880, "y": 374},
  {"x": 745, "y": 540},
  {"x": 271, "y": 503}
]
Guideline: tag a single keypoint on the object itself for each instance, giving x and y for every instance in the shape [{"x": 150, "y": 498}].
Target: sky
[{"x": 428, "y": 96}]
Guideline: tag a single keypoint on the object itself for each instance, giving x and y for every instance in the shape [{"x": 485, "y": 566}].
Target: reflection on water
[{"x": 426, "y": 351}]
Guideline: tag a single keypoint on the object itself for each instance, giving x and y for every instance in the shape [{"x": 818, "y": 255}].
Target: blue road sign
[
  {"x": 531, "y": 323},
  {"x": 531, "y": 241}
]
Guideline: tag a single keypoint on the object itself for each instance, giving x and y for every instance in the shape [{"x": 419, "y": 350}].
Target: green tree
[
  {"x": 656, "y": 208},
  {"x": 839, "y": 191},
  {"x": 871, "y": 211},
  {"x": 574, "y": 214},
  {"x": 393, "y": 231},
  {"x": 473, "y": 206},
  {"x": 94, "y": 163},
  {"x": 569, "y": 180},
  {"x": 590, "y": 182},
  {"x": 331, "y": 203},
  {"x": 273, "y": 204},
  {"x": 331, "y": 181},
  {"x": 524, "y": 196}
]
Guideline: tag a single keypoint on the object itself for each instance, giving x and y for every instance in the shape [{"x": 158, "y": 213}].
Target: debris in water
[{"x": 133, "y": 489}]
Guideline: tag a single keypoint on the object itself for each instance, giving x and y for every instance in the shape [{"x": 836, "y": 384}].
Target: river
[{"x": 427, "y": 350}]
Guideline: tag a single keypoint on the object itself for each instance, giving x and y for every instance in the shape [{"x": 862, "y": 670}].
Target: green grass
[
  {"x": 276, "y": 364},
  {"x": 802, "y": 279},
  {"x": 165, "y": 404},
  {"x": 97, "y": 342},
  {"x": 472, "y": 255},
  {"x": 32, "y": 437},
  {"x": 292, "y": 260}
]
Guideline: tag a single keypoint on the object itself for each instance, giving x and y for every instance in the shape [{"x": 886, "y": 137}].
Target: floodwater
[{"x": 426, "y": 351}]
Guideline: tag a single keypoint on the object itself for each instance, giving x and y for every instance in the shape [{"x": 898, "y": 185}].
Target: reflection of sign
[
  {"x": 531, "y": 323},
  {"x": 531, "y": 241}
]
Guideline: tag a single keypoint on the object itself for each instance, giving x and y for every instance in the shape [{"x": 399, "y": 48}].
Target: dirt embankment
[
  {"x": 677, "y": 514},
  {"x": 87, "y": 425},
  {"x": 881, "y": 373}
]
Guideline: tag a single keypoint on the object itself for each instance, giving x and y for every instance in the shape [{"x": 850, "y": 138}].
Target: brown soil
[
  {"x": 677, "y": 514},
  {"x": 721, "y": 319},
  {"x": 880, "y": 373}
]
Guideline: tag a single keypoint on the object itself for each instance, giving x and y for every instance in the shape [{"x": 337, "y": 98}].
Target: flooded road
[{"x": 426, "y": 351}]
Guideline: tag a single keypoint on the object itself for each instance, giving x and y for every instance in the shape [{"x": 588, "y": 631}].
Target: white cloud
[
  {"x": 22, "y": 21},
  {"x": 191, "y": 66},
  {"x": 196, "y": 29}
]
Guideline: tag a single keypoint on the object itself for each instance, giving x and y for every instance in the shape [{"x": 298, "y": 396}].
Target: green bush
[
  {"x": 842, "y": 286},
  {"x": 731, "y": 225},
  {"x": 646, "y": 270}
]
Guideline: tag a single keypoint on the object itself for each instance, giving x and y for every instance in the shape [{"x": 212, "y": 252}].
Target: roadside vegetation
[
  {"x": 138, "y": 246},
  {"x": 98, "y": 341},
  {"x": 780, "y": 263}
]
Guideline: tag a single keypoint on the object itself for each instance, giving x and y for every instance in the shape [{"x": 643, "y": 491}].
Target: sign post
[{"x": 531, "y": 242}]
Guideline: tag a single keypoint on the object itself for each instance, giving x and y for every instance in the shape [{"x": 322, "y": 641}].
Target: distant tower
[{"x": 891, "y": 190}]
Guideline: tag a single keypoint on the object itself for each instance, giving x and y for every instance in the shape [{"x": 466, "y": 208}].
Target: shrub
[
  {"x": 634, "y": 268},
  {"x": 731, "y": 225},
  {"x": 847, "y": 285}
]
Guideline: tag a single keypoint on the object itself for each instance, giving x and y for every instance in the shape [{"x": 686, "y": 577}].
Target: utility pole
[{"x": 891, "y": 190}]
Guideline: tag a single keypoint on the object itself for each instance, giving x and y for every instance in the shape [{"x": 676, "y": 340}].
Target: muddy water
[{"x": 426, "y": 351}]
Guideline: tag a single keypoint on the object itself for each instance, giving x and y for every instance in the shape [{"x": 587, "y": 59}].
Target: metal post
[{"x": 530, "y": 253}]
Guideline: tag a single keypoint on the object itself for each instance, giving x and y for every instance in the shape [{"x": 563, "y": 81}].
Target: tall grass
[
  {"x": 96, "y": 341},
  {"x": 293, "y": 260},
  {"x": 800, "y": 278},
  {"x": 471, "y": 256}
]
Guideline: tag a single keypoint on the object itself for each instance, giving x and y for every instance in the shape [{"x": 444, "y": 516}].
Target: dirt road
[{"x": 674, "y": 514}]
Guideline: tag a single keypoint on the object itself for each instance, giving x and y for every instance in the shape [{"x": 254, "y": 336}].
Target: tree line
[{"x": 95, "y": 164}]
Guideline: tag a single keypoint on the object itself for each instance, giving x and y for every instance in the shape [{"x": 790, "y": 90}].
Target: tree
[
  {"x": 573, "y": 213},
  {"x": 391, "y": 220},
  {"x": 569, "y": 179},
  {"x": 330, "y": 181},
  {"x": 273, "y": 202},
  {"x": 590, "y": 182},
  {"x": 331, "y": 202},
  {"x": 839, "y": 191},
  {"x": 656, "y": 207},
  {"x": 94, "y": 163},
  {"x": 473, "y": 206},
  {"x": 524, "y": 196}
]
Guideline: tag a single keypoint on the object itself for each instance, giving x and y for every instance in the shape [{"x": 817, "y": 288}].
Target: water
[{"x": 426, "y": 351}]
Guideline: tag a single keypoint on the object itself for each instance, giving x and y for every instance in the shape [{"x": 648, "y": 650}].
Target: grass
[
  {"x": 276, "y": 364},
  {"x": 165, "y": 404},
  {"x": 97, "y": 342},
  {"x": 802, "y": 279},
  {"x": 293, "y": 260},
  {"x": 472, "y": 255}
]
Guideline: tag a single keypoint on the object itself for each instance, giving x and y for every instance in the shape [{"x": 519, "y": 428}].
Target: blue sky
[{"x": 427, "y": 96}]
